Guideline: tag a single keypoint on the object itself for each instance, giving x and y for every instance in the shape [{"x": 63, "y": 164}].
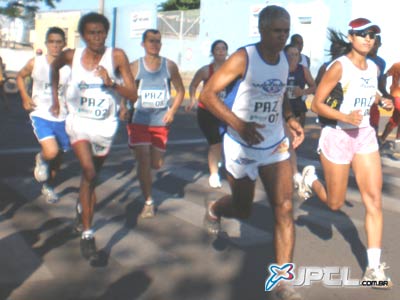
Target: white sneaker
[
  {"x": 49, "y": 194},
  {"x": 214, "y": 181},
  {"x": 297, "y": 178},
  {"x": 41, "y": 171},
  {"x": 304, "y": 191},
  {"x": 285, "y": 292},
  {"x": 396, "y": 146},
  {"x": 378, "y": 275},
  {"x": 147, "y": 211}
]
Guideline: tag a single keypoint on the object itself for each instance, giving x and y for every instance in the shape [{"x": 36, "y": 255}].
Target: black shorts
[
  {"x": 209, "y": 125},
  {"x": 298, "y": 106}
]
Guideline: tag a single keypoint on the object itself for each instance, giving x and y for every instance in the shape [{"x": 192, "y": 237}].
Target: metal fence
[{"x": 179, "y": 24}]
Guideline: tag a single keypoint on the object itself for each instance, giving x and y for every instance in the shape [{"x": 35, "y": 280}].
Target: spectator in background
[
  {"x": 374, "y": 114},
  {"x": 2, "y": 81},
  {"x": 394, "y": 120},
  {"x": 299, "y": 77},
  {"x": 208, "y": 123},
  {"x": 297, "y": 41}
]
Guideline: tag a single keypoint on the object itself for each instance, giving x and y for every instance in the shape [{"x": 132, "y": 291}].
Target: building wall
[
  {"x": 234, "y": 21},
  {"x": 67, "y": 20}
]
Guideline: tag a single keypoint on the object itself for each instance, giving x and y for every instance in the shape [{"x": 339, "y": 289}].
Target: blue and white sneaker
[{"x": 49, "y": 194}]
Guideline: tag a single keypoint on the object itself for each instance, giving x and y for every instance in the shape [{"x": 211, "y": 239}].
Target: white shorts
[
  {"x": 242, "y": 161},
  {"x": 99, "y": 133}
]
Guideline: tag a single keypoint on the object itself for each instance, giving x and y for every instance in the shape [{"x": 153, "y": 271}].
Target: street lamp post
[{"x": 101, "y": 6}]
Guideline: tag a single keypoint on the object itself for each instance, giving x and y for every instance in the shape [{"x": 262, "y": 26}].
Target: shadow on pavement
[
  {"x": 342, "y": 222},
  {"x": 14, "y": 260}
]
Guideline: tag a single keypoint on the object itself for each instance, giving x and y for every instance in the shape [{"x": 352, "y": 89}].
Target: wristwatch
[{"x": 113, "y": 84}]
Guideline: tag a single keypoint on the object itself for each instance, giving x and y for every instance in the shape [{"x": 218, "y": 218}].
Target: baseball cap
[{"x": 362, "y": 23}]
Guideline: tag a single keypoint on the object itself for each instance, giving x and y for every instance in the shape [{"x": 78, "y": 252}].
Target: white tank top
[
  {"x": 87, "y": 96},
  {"x": 359, "y": 90},
  {"x": 41, "y": 89},
  {"x": 258, "y": 97}
]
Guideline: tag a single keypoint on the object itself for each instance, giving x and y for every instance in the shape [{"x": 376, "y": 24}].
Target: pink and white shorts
[{"x": 340, "y": 145}]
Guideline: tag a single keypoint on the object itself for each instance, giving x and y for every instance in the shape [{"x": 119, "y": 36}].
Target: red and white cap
[{"x": 362, "y": 23}]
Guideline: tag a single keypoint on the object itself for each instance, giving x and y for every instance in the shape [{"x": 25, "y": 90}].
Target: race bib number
[
  {"x": 94, "y": 108},
  {"x": 154, "y": 99},
  {"x": 265, "y": 112}
]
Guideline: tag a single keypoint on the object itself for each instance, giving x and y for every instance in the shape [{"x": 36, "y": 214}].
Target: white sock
[
  {"x": 374, "y": 257},
  {"x": 87, "y": 234},
  {"x": 308, "y": 180},
  {"x": 149, "y": 202}
]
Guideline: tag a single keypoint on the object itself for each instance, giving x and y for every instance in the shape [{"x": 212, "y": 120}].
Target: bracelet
[{"x": 289, "y": 117}]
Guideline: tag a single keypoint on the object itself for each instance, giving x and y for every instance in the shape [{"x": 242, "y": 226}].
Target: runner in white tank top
[
  {"x": 93, "y": 121},
  {"x": 92, "y": 108},
  {"x": 49, "y": 130},
  {"x": 255, "y": 143},
  {"x": 41, "y": 89},
  {"x": 347, "y": 140}
]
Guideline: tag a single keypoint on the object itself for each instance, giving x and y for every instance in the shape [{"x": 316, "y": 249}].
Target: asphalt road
[{"x": 170, "y": 256}]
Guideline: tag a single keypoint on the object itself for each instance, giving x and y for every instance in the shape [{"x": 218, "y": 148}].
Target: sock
[
  {"x": 149, "y": 202},
  {"x": 210, "y": 211},
  {"x": 87, "y": 234},
  {"x": 79, "y": 208},
  {"x": 374, "y": 257},
  {"x": 308, "y": 180}
]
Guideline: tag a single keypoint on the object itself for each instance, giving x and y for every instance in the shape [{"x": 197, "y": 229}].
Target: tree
[
  {"x": 23, "y": 8},
  {"x": 179, "y": 5}
]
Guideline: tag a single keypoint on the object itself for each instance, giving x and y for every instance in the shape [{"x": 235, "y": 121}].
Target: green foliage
[
  {"x": 179, "y": 5},
  {"x": 22, "y": 8}
]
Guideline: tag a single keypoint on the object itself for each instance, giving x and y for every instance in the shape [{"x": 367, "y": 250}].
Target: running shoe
[
  {"x": 285, "y": 292},
  {"x": 147, "y": 211},
  {"x": 214, "y": 181},
  {"x": 378, "y": 275},
  {"x": 41, "y": 171},
  {"x": 211, "y": 223},
  {"x": 88, "y": 248},
  {"x": 49, "y": 194},
  {"x": 396, "y": 146},
  {"x": 78, "y": 226},
  {"x": 304, "y": 191}
]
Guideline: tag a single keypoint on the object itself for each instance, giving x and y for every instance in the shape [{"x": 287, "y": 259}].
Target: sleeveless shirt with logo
[
  {"x": 359, "y": 90},
  {"x": 258, "y": 97},
  {"x": 154, "y": 93},
  {"x": 87, "y": 97},
  {"x": 41, "y": 89}
]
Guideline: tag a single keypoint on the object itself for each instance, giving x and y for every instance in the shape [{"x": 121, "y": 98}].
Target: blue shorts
[{"x": 45, "y": 129}]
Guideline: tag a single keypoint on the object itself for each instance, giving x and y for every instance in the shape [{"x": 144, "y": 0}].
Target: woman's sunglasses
[{"x": 364, "y": 34}]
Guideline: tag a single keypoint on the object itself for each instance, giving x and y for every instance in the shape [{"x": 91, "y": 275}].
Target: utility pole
[{"x": 101, "y": 7}]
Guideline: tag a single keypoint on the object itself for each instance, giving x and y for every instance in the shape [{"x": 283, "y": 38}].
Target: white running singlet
[
  {"x": 92, "y": 107},
  {"x": 359, "y": 90},
  {"x": 258, "y": 97},
  {"x": 87, "y": 97},
  {"x": 41, "y": 89}
]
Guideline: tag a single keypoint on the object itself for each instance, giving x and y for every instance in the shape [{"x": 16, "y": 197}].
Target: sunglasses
[{"x": 364, "y": 34}]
